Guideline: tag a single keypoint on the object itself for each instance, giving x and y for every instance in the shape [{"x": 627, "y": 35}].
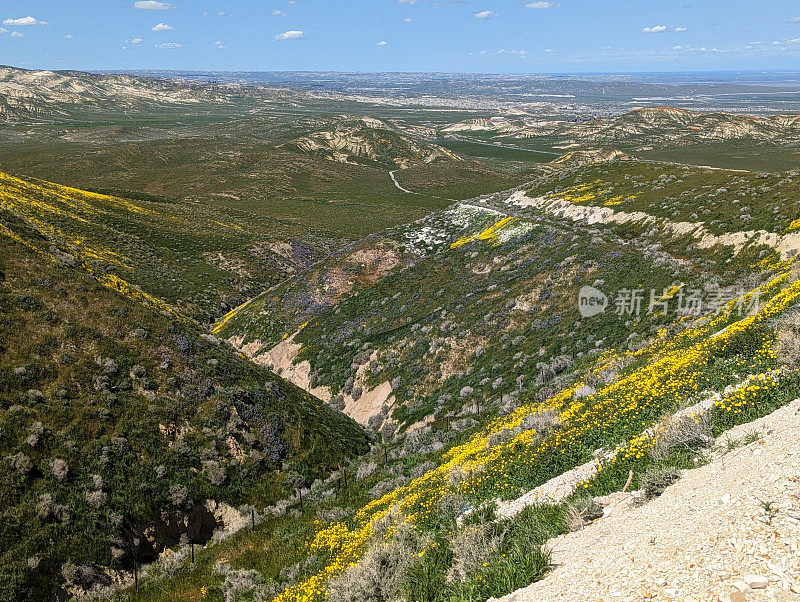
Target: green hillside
[
  {"x": 497, "y": 384},
  {"x": 120, "y": 421}
]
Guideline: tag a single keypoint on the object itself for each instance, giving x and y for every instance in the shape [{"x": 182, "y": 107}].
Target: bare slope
[{"x": 728, "y": 526}]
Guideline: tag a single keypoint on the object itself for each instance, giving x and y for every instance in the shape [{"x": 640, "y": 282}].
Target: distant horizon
[{"x": 404, "y": 72}]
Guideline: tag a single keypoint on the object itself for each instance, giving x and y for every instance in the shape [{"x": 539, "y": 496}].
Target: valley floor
[{"x": 725, "y": 530}]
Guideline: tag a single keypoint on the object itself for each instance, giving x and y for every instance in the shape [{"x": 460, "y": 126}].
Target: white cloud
[
  {"x": 680, "y": 29},
  {"x": 168, "y": 45},
  {"x": 655, "y": 29},
  {"x": 137, "y": 41},
  {"x": 152, "y": 5},
  {"x": 407, "y": 1},
  {"x": 163, "y": 27},
  {"x": 16, "y": 34},
  {"x": 25, "y": 21},
  {"x": 219, "y": 44},
  {"x": 540, "y": 5},
  {"x": 486, "y": 14},
  {"x": 505, "y": 52},
  {"x": 677, "y": 47},
  {"x": 407, "y": 20},
  {"x": 69, "y": 36},
  {"x": 292, "y": 34},
  {"x": 278, "y": 13},
  {"x": 382, "y": 43},
  {"x": 3, "y": 30},
  {"x": 794, "y": 20}
]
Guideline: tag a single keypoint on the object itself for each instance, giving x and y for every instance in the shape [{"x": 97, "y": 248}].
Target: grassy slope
[
  {"x": 667, "y": 364},
  {"x": 216, "y": 216},
  {"x": 724, "y": 201},
  {"x": 116, "y": 389},
  {"x": 514, "y": 295}
]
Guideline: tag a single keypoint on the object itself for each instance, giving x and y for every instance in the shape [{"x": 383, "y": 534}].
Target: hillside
[
  {"x": 643, "y": 127},
  {"x": 369, "y": 140},
  {"x": 253, "y": 347},
  {"x": 726, "y": 526},
  {"x": 199, "y": 258},
  {"x": 124, "y": 429},
  {"x": 458, "y": 341},
  {"x": 250, "y": 208},
  {"x": 399, "y": 316},
  {"x": 43, "y": 96},
  {"x": 728, "y": 140}
]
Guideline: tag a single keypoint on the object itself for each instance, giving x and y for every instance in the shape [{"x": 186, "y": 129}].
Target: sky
[{"x": 508, "y": 36}]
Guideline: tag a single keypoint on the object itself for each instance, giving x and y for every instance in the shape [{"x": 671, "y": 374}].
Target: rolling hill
[
  {"x": 31, "y": 97},
  {"x": 369, "y": 140}
]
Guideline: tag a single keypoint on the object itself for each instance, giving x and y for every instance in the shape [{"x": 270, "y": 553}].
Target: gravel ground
[{"x": 707, "y": 538}]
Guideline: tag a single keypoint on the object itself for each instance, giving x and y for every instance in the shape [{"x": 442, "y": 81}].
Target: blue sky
[{"x": 510, "y": 36}]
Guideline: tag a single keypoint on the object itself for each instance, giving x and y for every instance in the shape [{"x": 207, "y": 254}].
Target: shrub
[
  {"x": 485, "y": 513},
  {"x": 472, "y": 546},
  {"x": 463, "y": 425},
  {"x": 215, "y": 473},
  {"x": 685, "y": 434},
  {"x": 380, "y": 572},
  {"x": 501, "y": 436},
  {"x": 96, "y": 499},
  {"x": 655, "y": 481},
  {"x": 386, "y": 486},
  {"x": 35, "y": 434},
  {"x": 138, "y": 371},
  {"x": 420, "y": 469},
  {"x": 583, "y": 509},
  {"x": 179, "y": 495},
  {"x": 62, "y": 514},
  {"x": 337, "y": 403},
  {"x": 246, "y": 584},
  {"x": 335, "y": 514},
  {"x": 59, "y": 469},
  {"x": 21, "y": 463},
  {"x": 451, "y": 506},
  {"x": 365, "y": 470},
  {"x": 541, "y": 422},
  {"x": 45, "y": 506}
]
